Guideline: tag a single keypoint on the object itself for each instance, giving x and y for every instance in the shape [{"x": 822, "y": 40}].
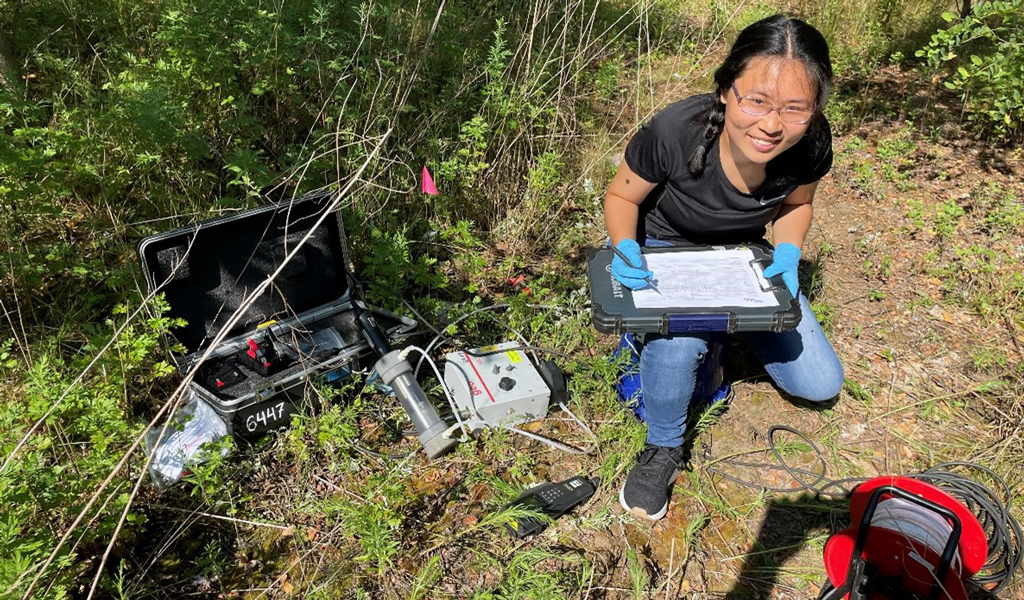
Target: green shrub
[
  {"x": 984, "y": 53},
  {"x": 85, "y": 427}
]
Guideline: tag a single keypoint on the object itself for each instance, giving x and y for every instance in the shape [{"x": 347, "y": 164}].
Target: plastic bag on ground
[{"x": 189, "y": 431}]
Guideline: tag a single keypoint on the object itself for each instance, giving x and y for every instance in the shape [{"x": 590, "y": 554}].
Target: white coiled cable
[{"x": 918, "y": 524}]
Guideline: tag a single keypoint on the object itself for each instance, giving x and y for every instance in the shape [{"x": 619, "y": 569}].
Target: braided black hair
[
  {"x": 775, "y": 36},
  {"x": 713, "y": 119}
]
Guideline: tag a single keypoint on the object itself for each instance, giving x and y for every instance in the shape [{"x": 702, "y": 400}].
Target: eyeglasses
[{"x": 757, "y": 107}]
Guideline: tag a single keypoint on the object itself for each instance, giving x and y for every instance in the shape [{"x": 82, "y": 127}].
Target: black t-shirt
[{"x": 708, "y": 209}]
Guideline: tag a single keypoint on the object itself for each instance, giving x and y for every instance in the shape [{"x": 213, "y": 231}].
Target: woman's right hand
[{"x": 628, "y": 274}]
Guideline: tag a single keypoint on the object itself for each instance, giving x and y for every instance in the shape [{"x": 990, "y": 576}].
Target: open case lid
[{"x": 207, "y": 270}]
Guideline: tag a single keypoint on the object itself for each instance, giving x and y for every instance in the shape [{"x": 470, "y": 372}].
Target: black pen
[{"x": 629, "y": 263}]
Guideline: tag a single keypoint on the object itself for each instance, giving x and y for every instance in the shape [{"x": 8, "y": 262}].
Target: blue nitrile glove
[
  {"x": 786, "y": 260},
  {"x": 628, "y": 274}
]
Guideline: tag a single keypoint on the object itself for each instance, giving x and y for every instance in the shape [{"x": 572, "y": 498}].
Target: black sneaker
[{"x": 645, "y": 492}]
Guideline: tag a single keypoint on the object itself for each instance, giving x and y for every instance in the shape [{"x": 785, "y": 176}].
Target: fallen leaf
[
  {"x": 476, "y": 492},
  {"x": 471, "y": 521},
  {"x": 286, "y": 585}
]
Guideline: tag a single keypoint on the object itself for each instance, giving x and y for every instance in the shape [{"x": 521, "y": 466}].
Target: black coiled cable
[{"x": 1001, "y": 530}]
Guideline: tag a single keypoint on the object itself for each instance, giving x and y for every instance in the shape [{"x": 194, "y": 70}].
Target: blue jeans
[{"x": 801, "y": 362}]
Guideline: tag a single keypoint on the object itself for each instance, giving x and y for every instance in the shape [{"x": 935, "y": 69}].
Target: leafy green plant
[
  {"x": 947, "y": 218},
  {"x": 855, "y": 390},
  {"x": 374, "y": 517},
  {"x": 543, "y": 180},
  {"x": 916, "y": 212},
  {"x": 609, "y": 72},
  {"x": 88, "y": 423},
  {"x": 536, "y": 573},
  {"x": 426, "y": 579},
  {"x": 210, "y": 477},
  {"x": 982, "y": 279},
  {"x": 986, "y": 359},
  {"x": 638, "y": 577},
  {"x": 469, "y": 159},
  {"x": 393, "y": 259},
  {"x": 691, "y": 533},
  {"x": 985, "y": 51},
  {"x": 866, "y": 178},
  {"x": 826, "y": 313},
  {"x": 894, "y": 155}
]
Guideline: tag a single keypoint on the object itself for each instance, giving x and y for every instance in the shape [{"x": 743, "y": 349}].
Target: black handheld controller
[{"x": 553, "y": 500}]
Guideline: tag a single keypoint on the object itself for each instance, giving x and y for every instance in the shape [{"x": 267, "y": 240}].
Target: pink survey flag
[{"x": 428, "y": 183}]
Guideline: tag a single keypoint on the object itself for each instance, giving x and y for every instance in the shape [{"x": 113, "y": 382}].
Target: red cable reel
[{"x": 909, "y": 539}]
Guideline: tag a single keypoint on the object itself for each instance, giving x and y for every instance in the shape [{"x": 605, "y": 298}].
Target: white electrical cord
[
  {"x": 526, "y": 344},
  {"x": 555, "y": 444},
  {"x": 451, "y": 402}
]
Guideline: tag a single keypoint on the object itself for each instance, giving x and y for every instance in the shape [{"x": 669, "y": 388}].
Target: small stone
[{"x": 851, "y": 230}]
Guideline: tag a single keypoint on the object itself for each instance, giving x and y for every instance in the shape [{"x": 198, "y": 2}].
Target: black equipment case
[
  {"x": 614, "y": 311},
  {"x": 301, "y": 329}
]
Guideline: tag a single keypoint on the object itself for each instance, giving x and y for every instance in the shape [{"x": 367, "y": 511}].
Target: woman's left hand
[{"x": 785, "y": 262}]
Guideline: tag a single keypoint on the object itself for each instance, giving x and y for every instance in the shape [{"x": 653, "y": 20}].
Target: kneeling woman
[{"x": 716, "y": 169}]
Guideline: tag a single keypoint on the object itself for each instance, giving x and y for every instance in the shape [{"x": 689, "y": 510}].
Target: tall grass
[{"x": 874, "y": 29}]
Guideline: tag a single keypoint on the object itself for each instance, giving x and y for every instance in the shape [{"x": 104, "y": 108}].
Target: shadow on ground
[{"x": 789, "y": 524}]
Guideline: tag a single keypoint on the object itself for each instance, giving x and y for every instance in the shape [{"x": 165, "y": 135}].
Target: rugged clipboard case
[
  {"x": 303, "y": 324},
  {"x": 613, "y": 309}
]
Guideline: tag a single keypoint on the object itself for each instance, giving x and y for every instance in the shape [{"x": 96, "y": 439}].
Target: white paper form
[{"x": 705, "y": 279}]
